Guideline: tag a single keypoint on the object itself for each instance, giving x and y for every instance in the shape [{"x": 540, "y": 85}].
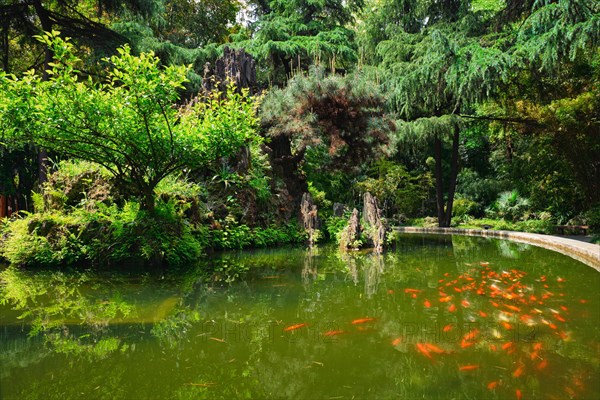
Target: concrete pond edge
[{"x": 587, "y": 253}]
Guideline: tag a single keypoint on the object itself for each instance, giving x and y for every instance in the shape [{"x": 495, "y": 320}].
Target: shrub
[
  {"x": 509, "y": 206},
  {"x": 463, "y": 208}
]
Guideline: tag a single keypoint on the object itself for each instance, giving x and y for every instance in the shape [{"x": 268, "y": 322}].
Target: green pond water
[{"x": 444, "y": 317}]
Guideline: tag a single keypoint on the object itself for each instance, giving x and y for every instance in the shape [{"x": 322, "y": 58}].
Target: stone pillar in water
[
  {"x": 310, "y": 218},
  {"x": 373, "y": 224}
]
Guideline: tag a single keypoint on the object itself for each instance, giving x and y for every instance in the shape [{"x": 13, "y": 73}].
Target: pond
[{"x": 436, "y": 318}]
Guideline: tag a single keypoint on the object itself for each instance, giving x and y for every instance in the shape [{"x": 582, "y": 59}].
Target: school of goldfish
[{"x": 525, "y": 321}]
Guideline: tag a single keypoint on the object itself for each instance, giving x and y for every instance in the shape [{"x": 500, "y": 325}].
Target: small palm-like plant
[{"x": 509, "y": 206}]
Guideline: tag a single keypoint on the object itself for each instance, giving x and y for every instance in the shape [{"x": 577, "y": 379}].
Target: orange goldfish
[
  {"x": 507, "y": 345},
  {"x": 445, "y": 299},
  {"x": 472, "y": 334},
  {"x": 448, "y": 328},
  {"x": 519, "y": 371},
  {"x": 434, "y": 348},
  {"x": 465, "y": 303},
  {"x": 468, "y": 367},
  {"x": 396, "y": 341},
  {"x": 492, "y": 385},
  {"x": 427, "y": 304},
  {"x": 543, "y": 364},
  {"x": 518, "y": 394},
  {"x": 424, "y": 350},
  {"x": 452, "y": 308},
  {"x": 294, "y": 327},
  {"x": 483, "y": 314},
  {"x": 363, "y": 320},
  {"x": 559, "y": 318},
  {"x": 512, "y": 308},
  {"x": 506, "y": 325},
  {"x": 333, "y": 333}
]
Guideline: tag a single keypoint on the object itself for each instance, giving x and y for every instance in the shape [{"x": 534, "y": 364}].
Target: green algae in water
[{"x": 437, "y": 318}]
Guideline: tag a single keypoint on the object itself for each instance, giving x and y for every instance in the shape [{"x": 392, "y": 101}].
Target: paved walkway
[{"x": 587, "y": 253}]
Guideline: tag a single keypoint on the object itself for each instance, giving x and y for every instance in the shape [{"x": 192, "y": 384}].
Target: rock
[
  {"x": 338, "y": 209},
  {"x": 236, "y": 66},
  {"x": 310, "y": 218}
]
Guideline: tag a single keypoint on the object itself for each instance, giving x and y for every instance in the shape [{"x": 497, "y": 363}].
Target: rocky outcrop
[
  {"x": 370, "y": 231},
  {"x": 310, "y": 218},
  {"x": 236, "y": 66}
]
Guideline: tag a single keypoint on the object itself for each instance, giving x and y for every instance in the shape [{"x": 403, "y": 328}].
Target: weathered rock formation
[
  {"x": 368, "y": 232},
  {"x": 236, "y": 66},
  {"x": 310, "y": 217}
]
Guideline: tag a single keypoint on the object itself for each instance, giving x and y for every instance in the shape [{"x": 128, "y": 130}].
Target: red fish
[
  {"x": 333, "y": 333},
  {"x": 564, "y": 308},
  {"x": 445, "y": 299},
  {"x": 390, "y": 291},
  {"x": 518, "y": 394},
  {"x": 294, "y": 327},
  {"x": 427, "y": 304},
  {"x": 493, "y": 347},
  {"x": 483, "y": 314},
  {"x": 424, "y": 350},
  {"x": 559, "y": 318},
  {"x": 512, "y": 308},
  {"x": 468, "y": 367},
  {"x": 465, "y": 303},
  {"x": 408, "y": 290},
  {"x": 506, "y": 325},
  {"x": 396, "y": 341},
  {"x": 472, "y": 334},
  {"x": 452, "y": 308},
  {"x": 508, "y": 346},
  {"x": 492, "y": 385},
  {"x": 543, "y": 364},
  {"x": 434, "y": 348},
  {"x": 363, "y": 320},
  {"x": 519, "y": 371},
  {"x": 448, "y": 328}
]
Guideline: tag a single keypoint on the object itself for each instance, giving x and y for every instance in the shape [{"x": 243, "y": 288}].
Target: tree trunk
[
  {"x": 439, "y": 184},
  {"x": 286, "y": 166},
  {"x": 148, "y": 201},
  {"x": 453, "y": 176},
  {"x": 5, "y": 54},
  {"x": 444, "y": 208}
]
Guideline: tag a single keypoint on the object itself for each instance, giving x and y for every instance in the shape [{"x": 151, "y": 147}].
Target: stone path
[{"x": 587, "y": 253}]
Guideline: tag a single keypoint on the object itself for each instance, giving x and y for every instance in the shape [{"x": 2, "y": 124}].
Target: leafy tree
[
  {"x": 439, "y": 66},
  {"x": 295, "y": 34},
  {"x": 128, "y": 124},
  {"x": 343, "y": 119}
]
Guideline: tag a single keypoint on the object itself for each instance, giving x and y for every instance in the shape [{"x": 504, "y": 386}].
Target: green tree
[
  {"x": 291, "y": 35},
  {"x": 342, "y": 119},
  {"x": 128, "y": 124},
  {"x": 455, "y": 58}
]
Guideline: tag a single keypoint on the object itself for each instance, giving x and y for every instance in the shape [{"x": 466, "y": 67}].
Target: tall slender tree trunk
[
  {"x": 453, "y": 175},
  {"x": 5, "y": 54},
  {"x": 439, "y": 182},
  {"x": 444, "y": 207}
]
